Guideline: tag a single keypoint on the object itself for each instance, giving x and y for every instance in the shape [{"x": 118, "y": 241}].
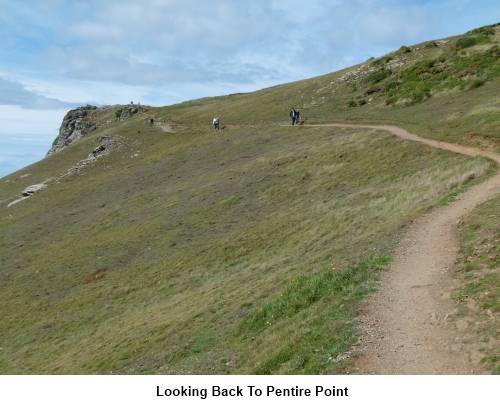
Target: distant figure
[
  {"x": 293, "y": 114},
  {"x": 151, "y": 121},
  {"x": 131, "y": 103},
  {"x": 297, "y": 116},
  {"x": 216, "y": 124}
]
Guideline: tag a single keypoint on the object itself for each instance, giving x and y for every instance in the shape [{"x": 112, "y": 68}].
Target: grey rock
[
  {"x": 73, "y": 128},
  {"x": 30, "y": 190},
  {"x": 105, "y": 144},
  {"x": 126, "y": 111},
  {"x": 16, "y": 201},
  {"x": 97, "y": 151}
]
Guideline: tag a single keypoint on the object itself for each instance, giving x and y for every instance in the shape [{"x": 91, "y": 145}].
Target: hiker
[
  {"x": 292, "y": 116},
  {"x": 216, "y": 124},
  {"x": 297, "y": 117},
  {"x": 151, "y": 121}
]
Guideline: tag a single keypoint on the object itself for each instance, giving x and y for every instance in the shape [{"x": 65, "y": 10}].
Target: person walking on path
[
  {"x": 292, "y": 116},
  {"x": 297, "y": 117},
  {"x": 216, "y": 124},
  {"x": 151, "y": 121}
]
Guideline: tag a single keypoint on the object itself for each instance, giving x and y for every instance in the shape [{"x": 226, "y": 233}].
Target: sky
[{"x": 56, "y": 55}]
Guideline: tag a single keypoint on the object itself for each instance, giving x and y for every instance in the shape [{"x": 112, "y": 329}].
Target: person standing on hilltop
[
  {"x": 216, "y": 124},
  {"x": 151, "y": 121},
  {"x": 297, "y": 116},
  {"x": 292, "y": 116}
]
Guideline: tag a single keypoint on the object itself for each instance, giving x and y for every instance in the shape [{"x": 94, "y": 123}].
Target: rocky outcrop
[
  {"x": 126, "y": 111},
  {"x": 30, "y": 190},
  {"x": 73, "y": 128},
  {"x": 105, "y": 144}
]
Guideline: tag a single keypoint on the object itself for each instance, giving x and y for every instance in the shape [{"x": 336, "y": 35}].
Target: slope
[
  {"x": 437, "y": 79},
  {"x": 242, "y": 251}
]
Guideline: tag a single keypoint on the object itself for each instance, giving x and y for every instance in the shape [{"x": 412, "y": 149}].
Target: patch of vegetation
[
  {"x": 373, "y": 90},
  {"x": 378, "y": 76},
  {"x": 467, "y": 42},
  {"x": 197, "y": 232},
  {"x": 312, "y": 347},
  {"x": 479, "y": 261},
  {"x": 477, "y": 83},
  {"x": 417, "y": 83},
  {"x": 404, "y": 49},
  {"x": 486, "y": 30},
  {"x": 381, "y": 61},
  {"x": 431, "y": 45}
]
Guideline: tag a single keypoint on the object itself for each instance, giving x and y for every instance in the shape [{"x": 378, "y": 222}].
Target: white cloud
[
  {"x": 59, "y": 53},
  {"x": 14, "y": 93},
  {"x": 17, "y": 120}
]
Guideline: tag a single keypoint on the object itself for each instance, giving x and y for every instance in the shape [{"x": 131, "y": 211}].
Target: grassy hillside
[
  {"x": 240, "y": 251},
  {"x": 451, "y": 86},
  {"x": 478, "y": 299}
]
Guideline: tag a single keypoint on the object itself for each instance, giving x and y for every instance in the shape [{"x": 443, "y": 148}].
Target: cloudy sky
[{"x": 58, "y": 54}]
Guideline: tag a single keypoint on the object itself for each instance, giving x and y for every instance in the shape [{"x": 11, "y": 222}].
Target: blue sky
[{"x": 58, "y": 54}]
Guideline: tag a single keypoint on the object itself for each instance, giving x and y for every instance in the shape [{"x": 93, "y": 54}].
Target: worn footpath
[{"x": 408, "y": 326}]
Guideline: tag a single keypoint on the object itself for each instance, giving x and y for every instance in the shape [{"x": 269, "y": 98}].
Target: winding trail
[{"x": 406, "y": 325}]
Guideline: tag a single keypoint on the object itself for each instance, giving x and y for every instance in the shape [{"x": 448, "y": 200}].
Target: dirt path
[
  {"x": 166, "y": 127},
  {"x": 407, "y": 325}
]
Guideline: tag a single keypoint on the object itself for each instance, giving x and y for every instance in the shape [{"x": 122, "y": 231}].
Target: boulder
[{"x": 30, "y": 190}]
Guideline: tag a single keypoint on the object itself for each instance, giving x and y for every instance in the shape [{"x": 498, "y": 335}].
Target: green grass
[
  {"x": 195, "y": 234},
  {"x": 310, "y": 308},
  {"x": 477, "y": 271},
  {"x": 436, "y": 91},
  {"x": 212, "y": 252}
]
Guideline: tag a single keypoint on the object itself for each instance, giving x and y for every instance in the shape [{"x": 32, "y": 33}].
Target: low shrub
[
  {"x": 390, "y": 86},
  {"x": 477, "y": 83},
  {"x": 467, "y": 42},
  {"x": 487, "y": 30},
  {"x": 448, "y": 71},
  {"x": 378, "y": 76},
  {"x": 381, "y": 61},
  {"x": 493, "y": 52},
  {"x": 391, "y": 100},
  {"x": 373, "y": 90}
]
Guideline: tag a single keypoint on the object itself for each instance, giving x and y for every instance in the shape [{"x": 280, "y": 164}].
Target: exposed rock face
[
  {"x": 72, "y": 128},
  {"x": 122, "y": 113},
  {"x": 105, "y": 144}
]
